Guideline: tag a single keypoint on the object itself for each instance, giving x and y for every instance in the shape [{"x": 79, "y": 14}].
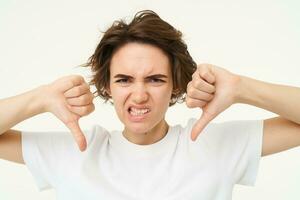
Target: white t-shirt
[{"x": 173, "y": 168}]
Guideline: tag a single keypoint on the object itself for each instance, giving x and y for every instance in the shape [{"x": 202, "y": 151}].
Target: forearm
[
  {"x": 18, "y": 108},
  {"x": 279, "y": 99}
]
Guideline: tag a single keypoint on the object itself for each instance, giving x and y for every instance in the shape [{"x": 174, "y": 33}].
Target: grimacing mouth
[{"x": 148, "y": 109}]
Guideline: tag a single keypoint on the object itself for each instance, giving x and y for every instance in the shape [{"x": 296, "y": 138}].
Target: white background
[{"x": 43, "y": 40}]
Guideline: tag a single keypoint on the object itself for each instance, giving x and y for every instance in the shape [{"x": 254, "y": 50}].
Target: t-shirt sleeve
[
  {"x": 45, "y": 155},
  {"x": 236, "y": 147},
  {"x": 246, "y": 150}
]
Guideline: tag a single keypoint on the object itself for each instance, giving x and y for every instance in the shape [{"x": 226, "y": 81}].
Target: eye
[
  {"x": 123, "y": 80},
  {"x": 156, "y": 80}
]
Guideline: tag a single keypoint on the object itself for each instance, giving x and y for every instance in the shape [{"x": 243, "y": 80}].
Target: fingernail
[
  {"x": 192, "y": 138},
  {"x": 82, "y": 148}
]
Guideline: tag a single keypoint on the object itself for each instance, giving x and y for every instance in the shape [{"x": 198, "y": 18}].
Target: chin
[{"x": 138, "y": 128}]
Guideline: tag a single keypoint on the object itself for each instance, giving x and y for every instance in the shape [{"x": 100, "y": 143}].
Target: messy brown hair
[{"x": 147, "y": 28}]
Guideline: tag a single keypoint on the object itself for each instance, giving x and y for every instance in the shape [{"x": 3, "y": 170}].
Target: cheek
[
  {"x": 119, "y": 94},
  {"x": 162, "y": 96},
  {"x": 119, "y": 97}
]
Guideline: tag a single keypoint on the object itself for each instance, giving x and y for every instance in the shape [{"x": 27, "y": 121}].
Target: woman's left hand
[{"x": 213, "y": 89}]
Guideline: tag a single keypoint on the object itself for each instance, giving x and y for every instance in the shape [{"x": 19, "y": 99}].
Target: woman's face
[{"x": 140, "y": 86}]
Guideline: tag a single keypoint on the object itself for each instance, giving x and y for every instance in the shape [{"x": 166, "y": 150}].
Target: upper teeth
[{"x": 136, "y": 111}]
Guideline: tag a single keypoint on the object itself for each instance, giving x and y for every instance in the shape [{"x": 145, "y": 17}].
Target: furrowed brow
[
  {"x": 151, "y": 76},
  {"x": 122, "y": 76},
  {"x": 157, "y": 76}
]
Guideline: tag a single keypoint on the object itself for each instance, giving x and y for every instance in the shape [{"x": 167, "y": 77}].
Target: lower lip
[{"x": 137, "y": 118}]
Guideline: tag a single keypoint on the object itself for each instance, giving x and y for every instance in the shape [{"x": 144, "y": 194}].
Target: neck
[{"x": 152, "y": 136}]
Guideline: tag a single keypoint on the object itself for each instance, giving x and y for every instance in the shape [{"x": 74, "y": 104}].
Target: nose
[{"x": 140, "y": 93}]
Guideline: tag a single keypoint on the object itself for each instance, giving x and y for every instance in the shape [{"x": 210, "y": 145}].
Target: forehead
[{"x": 139, "y": 60}]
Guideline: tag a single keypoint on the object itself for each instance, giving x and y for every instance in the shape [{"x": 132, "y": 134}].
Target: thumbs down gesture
[{"x": 213, "y": 89}]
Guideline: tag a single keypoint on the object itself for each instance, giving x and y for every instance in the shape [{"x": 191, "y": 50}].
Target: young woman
[{"x": 143, "y": 68}]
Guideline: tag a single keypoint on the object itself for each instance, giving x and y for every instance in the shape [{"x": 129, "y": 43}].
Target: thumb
[
  {"x": 201, "y": 124},
  {"x": 77, "y": 134}
]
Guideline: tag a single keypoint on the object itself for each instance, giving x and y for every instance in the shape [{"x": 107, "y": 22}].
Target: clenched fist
[
  {"x": 213, "y": 89},
  {"x": 70, "y": 98}
]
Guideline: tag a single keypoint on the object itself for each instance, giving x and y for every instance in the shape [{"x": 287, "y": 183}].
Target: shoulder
[
  {"x": 97, "y": 134},
  {"x": 61, "y": 140},
  {"x": 234, "y": 126},
  {"x": 224, "y": 133}
]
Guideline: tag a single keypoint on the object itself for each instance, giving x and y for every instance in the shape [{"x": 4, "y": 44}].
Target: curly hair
[{"x": 147, "y": 28}]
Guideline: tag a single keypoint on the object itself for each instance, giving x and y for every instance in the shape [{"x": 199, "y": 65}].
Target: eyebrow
[{"x": 151, "y": 76}]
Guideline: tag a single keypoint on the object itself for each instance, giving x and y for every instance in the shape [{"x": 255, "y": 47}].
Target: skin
[
  {"x": 213, "y": 89},
  {"x": 140, "y": 63},
  {"x": 68, "y": 98}
]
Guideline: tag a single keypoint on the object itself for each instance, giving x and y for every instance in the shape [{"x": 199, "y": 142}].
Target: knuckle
[
  {"x": 83, "y": 110},
  {"x": 85, "y": 98},
  {"x": 86, "y": 109},
  {"x": 90, "y": 99},
  {"x": 87, "y": 86},
  {"x": 192, "y": 91},
  {"x": 203, "y": 73},
  {"x": 73, "y": 82},
  {"x": 189, "y": 85},
  {"x": 77, "y": 90},
  {"x": 82, "y": 99},
  {"x": 78, "y": 77},
  {"x": 194, "y": 75},
  {"x": 92, "y": 107},
  {"x": 91, "y": 95},
  {"x": 197, "y": 83},
  {"x": 210, "y": 96},
  {"x": 202, "y": 104},
  {"x": 189, "y": 103},
  {"x": 199, "y": 67},
  {"x": 84, "y": 87}
]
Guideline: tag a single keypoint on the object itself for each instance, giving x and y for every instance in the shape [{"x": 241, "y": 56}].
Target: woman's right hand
[{"x": 70, "y": 98}]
